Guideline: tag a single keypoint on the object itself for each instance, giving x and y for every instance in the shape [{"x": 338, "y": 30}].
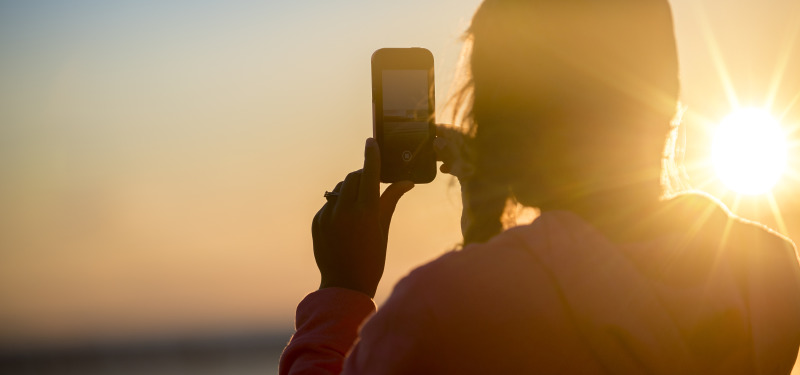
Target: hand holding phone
[
  {"x": 351, "y": 230},
  {"x": 403, "y": 113}
]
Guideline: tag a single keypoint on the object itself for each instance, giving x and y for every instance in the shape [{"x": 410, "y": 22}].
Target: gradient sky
[{"x": 160, "y": 163}]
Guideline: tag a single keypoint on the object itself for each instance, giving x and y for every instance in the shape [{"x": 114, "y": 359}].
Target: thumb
[{"x": 389, "y": 199}]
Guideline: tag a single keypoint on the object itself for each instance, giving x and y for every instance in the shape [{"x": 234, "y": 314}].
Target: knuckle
[
  {"x": 319, "y": 213},
  {"x": 315, "y": 223}
]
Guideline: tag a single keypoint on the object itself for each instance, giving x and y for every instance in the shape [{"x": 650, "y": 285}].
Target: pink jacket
[{"x": 713, "y": 294}]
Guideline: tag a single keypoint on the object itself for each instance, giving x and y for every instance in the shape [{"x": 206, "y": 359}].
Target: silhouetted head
[{"x": 571, "y": 103}]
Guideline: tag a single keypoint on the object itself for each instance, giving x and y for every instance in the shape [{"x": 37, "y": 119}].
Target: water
[{"x": 257, "y": 354}]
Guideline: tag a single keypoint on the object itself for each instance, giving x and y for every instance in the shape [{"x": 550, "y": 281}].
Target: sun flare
[{"x": 749, "y": 151}]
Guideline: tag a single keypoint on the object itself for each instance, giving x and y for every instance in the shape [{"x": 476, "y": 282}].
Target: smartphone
[{"x": 403, "y": 115}]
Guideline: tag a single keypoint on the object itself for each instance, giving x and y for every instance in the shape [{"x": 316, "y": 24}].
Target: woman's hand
[
  {"x": 451, "y": 149},
  {"x": 454, "y": 153},
  {"x": 351, "y": 230}
]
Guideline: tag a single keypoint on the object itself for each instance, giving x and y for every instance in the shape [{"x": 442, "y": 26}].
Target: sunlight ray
[
  {"x": 729, "y": 224},
  {"x": 726, "y": 232},
  {"x": 716, "y": 55},
  {"x": 697, "y": 226},
  {"x": 702, "y": 185},
  {"x": 776, "y": 212},
  {"x": 780, "y": 68},
  {"x": 701, "y": 220},
  {"x": 793, "y": 175},
  {"x": 698, "y": 167},
  {"x": 736, "y": 202},
  {"x": 790, "y": 106},
  {"x": 723, "y": 241},
  {"x": 706, "y": 123}
]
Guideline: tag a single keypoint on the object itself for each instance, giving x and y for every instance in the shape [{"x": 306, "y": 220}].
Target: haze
[{"x": 160, "y": 163}]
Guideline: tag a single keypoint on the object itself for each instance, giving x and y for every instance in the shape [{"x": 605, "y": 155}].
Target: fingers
[
  {"x": 446, "y": 152},
  {"x": 369, "y": 189},
  {"x": 440, "y": 147},
  {"x": 349, "y": 191},
  {"x": 451, "y": 150},
  {"x": 447, "y": 143},
  {"x": 325, "y": 212},
  {"x": 388, "y": 201},
  {"x": 441, "y": 129},
  {"x": 440, "y": 142}
]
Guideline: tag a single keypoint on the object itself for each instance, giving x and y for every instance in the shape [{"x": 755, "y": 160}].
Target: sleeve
[
  {"x": 398, "y": 339},
  {"x": 327, "y": 323}
]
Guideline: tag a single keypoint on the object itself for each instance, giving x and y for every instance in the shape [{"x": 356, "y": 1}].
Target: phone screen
[{"x": 406, "y": 114}]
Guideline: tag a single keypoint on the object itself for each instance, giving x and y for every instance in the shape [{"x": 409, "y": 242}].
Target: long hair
[{"x": 563, "y": 100}]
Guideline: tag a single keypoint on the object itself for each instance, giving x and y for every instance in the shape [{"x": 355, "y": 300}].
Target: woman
[{"x": 566, "y": 108}]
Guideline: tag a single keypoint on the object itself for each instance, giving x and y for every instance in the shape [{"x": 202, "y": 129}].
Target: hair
[{"x": 565, "y": 101}]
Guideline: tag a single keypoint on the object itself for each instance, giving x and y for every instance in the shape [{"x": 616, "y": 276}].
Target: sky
[{"x": 160, "y": 162}]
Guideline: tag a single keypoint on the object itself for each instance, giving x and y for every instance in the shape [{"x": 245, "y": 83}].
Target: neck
[{"x": 623, "y": 215}]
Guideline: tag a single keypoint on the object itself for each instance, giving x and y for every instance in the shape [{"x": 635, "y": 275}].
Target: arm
[
  {"x": 399, "y": 339},
  {"x": 350, "y": 234},
  {"x": 327, "y": 323}
]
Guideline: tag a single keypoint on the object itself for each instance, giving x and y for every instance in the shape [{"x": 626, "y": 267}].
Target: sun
[{"x": 749, "y": 151}]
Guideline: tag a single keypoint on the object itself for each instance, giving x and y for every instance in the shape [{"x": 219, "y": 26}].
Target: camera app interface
[{"x": 405, "y": 114}]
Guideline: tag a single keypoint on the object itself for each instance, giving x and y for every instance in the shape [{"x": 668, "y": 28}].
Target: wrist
[{"x": 364, "y": 288}]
